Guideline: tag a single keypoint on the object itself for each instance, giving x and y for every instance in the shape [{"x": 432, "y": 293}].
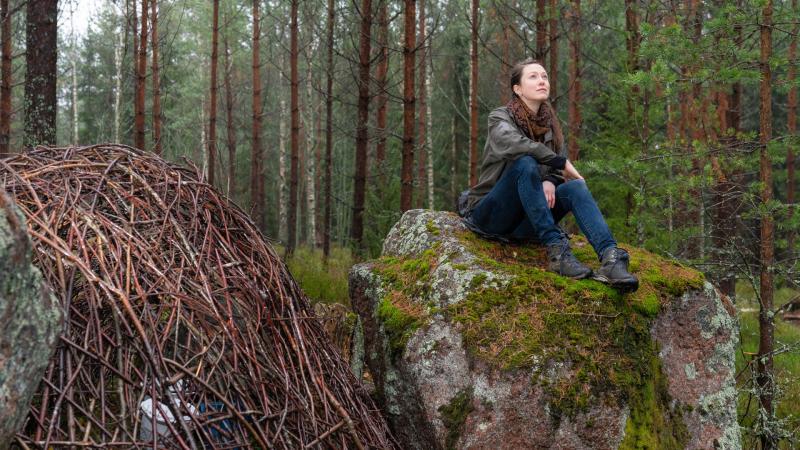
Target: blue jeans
[{"x": 516, "y": 208}]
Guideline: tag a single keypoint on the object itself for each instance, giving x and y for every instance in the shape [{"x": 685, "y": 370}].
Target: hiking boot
[
  {"x": 614, "y": 270},
  {"x": 563, "y": 262}
]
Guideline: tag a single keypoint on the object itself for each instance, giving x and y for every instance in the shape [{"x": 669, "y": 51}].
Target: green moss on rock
[
  {"x": 583, "y": 340},
  {"x": 405, "y": 279},
  {"x": 651, "y": 423},
  {"x": 454, "y": 415},
  {"x": 400, "y": 320}
]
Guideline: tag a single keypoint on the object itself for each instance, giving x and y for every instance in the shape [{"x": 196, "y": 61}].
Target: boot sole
[{"x": 621, "y": 286}]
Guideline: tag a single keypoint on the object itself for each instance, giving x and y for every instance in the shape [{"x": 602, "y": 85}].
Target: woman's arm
[{"x": 507, "y": 142}]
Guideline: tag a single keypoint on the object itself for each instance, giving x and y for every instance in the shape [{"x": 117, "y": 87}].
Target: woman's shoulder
[{"x": 500, "y": 113}]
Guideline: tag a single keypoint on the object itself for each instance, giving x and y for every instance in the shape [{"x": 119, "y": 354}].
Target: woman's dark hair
[{"x": 516, "y": 76}]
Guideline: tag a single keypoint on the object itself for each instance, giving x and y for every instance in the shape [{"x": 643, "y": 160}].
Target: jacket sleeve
[
  {"x": 553, "y": 175},
  {"x": 508, "y": 143}
]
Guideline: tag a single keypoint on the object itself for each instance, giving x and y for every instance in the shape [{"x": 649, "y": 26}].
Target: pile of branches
[{"x": 185, "y": 329}]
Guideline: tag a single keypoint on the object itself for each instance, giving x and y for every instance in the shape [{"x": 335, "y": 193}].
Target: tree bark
[
  {"x": 141, "y": 76},
  {"x": 553, "y": 75},
  {"x": 212, "y": 112},
  {"x": 792, "y": 126},
  {"x": 422, "y": 112},
  {"x": 74, "y": 67},
  {"x": 380, "y": 81},
  {"x": 5, "y": 84},
  {"x": 541, "y": 31},
  {"x": 429, "y": 114},
  {"x": 256, "y": 193},
  {"x": 764, "y": 367},
  {"x": 360, "y": 175},
  {"x": 119, "y": 45},
  {"x": 473, "y": 97},
  {"x": 295, "y": 136},
  {"x": 574, "y": 110},
  {"x": 406, "y": 173},
  {"x": 40, "y": 72},
  {"x": 230, "y": 130},
  {"x": 155, "y": 70},
  {"x": 326, "y": 227}
]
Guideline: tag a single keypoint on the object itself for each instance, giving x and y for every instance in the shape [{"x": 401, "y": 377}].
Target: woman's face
[{"x": 533, "y": 84}]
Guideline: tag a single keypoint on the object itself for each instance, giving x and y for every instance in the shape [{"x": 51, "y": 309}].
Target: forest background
[{"x": 326, "y": 119}]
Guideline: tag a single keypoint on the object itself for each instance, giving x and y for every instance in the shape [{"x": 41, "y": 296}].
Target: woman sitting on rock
[{"x": 525, "y": 187}]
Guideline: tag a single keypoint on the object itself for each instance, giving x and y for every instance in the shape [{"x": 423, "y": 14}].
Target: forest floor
[{"x": 329, "y": 285}]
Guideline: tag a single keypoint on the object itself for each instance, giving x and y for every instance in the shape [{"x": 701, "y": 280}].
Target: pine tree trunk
[
  {"x": 5, "y": 84},
  {"x": 141, "y": 76},
  {"x": 422, "y": 112},
  {"x": 295, "y": 136},
  {"x": 40, "y": 72},
  {"x": 230, "y": 130},
  {"x": 380, "y": 81},
  {"x": 764, "y": 366},
  {"x": 283, "y": 185},
  {"x": 359, "y": 177},
  {"x": 155, "y": 70},
  {"x": 74, "y": 67},
  {"x": 473, "y": 97},
  {"x": 135, "y": 59},
  {"x": 406, "y": 172},
  {"x": 429, "y": 114},
  {"x": 212, "y": 112},
  {"x": 320, "y": 134},
  {"x": 574, "y": 110},
  {"x": 326, "y": 234},
  {"x": 256, "y": 194},
  {"x": 553, "y": 72},
  {"x": 541, "y": 31},
  {"x": 791, "y": 126},
  {"x": 505, "y": 48},
  {"x": 454, "y": 160}
]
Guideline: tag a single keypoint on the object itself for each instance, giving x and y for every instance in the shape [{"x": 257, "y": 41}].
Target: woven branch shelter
[{"x": 185, "y": 329}]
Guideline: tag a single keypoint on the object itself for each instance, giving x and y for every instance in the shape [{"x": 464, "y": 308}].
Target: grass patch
[
  {"x": 787, "y": 365},
  {"x": 321, "y": 283}
]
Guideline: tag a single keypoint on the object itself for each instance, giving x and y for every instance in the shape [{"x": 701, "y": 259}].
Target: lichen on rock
[
  {"x": 32, "y": 322},
  {"x": 542, "y": 356}
]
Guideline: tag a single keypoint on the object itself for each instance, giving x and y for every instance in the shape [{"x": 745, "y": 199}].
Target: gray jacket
[{"x": 505, "y": 143}]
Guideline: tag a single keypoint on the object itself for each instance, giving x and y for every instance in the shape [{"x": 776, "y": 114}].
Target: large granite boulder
[
  {"x": 30, "y": 326},
  {"x": 472, "y": 344}
]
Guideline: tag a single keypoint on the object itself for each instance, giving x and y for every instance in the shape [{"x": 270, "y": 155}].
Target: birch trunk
[
  {"x": 117, "y": 82},
  {"x": 473, "y": 97}
]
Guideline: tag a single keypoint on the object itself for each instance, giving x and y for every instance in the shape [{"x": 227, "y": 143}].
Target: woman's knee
[
  {"x": 526, "y": 165},
  {"x": 575, "y": 189}
]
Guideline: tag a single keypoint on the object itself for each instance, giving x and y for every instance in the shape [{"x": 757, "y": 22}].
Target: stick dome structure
[{"x": 185, "y": 329}]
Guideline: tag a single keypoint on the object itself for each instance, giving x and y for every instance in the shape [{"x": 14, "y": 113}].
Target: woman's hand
[
  {"x": 570, "y": 172},
  {"x": 549, "y": 193}
]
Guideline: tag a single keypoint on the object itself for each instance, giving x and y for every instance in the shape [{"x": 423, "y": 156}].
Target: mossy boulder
[
  {"x": 31, "y": 322},
  {"x": 473, "y": 344}
]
